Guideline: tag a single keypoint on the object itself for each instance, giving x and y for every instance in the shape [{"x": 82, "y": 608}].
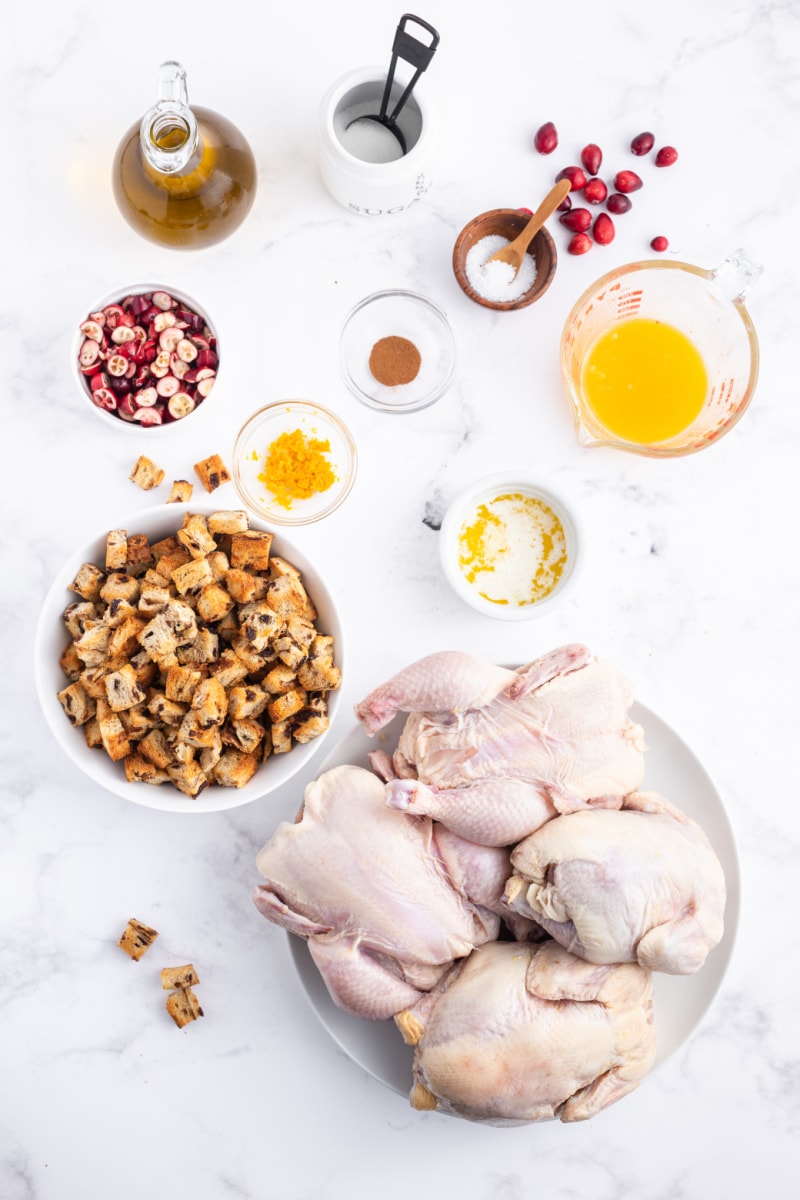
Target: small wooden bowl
[{"x": 508, "y": 223}]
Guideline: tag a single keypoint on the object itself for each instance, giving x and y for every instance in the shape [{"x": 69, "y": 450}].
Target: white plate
[{"x": 680, "y": 1001}]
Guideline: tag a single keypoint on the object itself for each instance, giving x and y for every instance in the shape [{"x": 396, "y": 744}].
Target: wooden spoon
[{"x": 514, "y": 252}]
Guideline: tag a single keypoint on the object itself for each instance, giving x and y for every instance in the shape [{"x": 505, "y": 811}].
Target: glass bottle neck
[{"x": 168, "y": 132}]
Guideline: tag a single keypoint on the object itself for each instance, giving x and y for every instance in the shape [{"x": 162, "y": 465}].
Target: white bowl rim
[
  {"x": 530, "y": 485},
  {"x": 112, "y": 779}
]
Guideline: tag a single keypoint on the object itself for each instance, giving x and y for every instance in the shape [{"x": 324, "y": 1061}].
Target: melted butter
[{"x": 512, "y": 549}]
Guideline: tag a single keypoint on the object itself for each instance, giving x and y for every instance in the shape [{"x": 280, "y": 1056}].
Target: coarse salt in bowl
[
  {"x": 490, "y": 286},
  {"x": 171, "y": 377},
  {"x": 510, "y": 547},
  {"x": 52, "y": 639}
]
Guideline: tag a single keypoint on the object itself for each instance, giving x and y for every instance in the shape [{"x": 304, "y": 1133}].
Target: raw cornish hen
[
  {"x": 639, "y": 885},
  {"x": 493, "y": 754},
  {"x": 386, "y": 901},
  {"x": 522, "y": 1033}
]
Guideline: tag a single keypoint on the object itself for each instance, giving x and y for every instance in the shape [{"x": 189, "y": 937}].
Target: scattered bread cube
[
  {"x": 183, "y": 1006},
  {"x": 137, "y": 939},
  {"x": 181, "y": 492},
  {"x": 146, "y": 474},
  {"x": 179, "y": 977},
  {"x": 116, "y": 550},
  {"x": 212, "y": 472}
]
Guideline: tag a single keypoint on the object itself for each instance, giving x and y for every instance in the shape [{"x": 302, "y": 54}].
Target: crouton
[
  {"x": 92, "y": 646},
  {"x": 228, "y": 522},
  {"x": 146, "y": 474},
  {"x": 80, "y": 616},
  {"x": 72, "y": 666},
  {"x": 154, "y": 598},
  {"x": 250, "y": 550},
  {"x": 204, "y": 648},
  {"x": 155, "y": 749},
  {"x": 212, "y": 472},
  {"x": 287, "y": 597},
  {"x": 122, "y": 690},
  {"x": 178, "y": 977},
  {"x": 181, "y": 683},
  {"x": 124, "y": 640},
  {"x": 189, "y": 777},
  {"x": 245, "y": 587},
  {"x": 77, "y": 704},
  {"x": 213, "y": 603},
  {"x": 116, "y": 550},
  {"x": 281, "y": 737},
  {"x": 311, "y": 721},
  {"x": 218, "y": 564},
  {"x": 280, "y": 679},
  {"x": 169, "y": 712},
  {"x": 192, "y": 576},
  {"x": 247, "y": 701},
  {"x": 195, "y": 536},
  {"x": 88, "y": 581},
  {"x": 228, "y": 669},
  {"x": 318, "y": 673},
  {"x": 235, "y": 769},
  {"x": 181, "y": 492},
  {"x": 137, "y": 939},
  {"x": 210, "y": 703},
  {"x": 140, "y": 556},
  {"x": 285, "y": 706},
  {"x": 115, "y": 740},
  {"x": 183, "y": 1006},
  {"x": 141, "y": 770}
]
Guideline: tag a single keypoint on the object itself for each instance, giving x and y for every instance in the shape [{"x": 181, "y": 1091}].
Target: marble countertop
[{"x": 689, "y": 582}]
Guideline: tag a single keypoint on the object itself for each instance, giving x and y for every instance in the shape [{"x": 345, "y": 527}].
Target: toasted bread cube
[
  {"x": 116, "y": 550},
  {"x": 210, "y": 755},
  {"x": 155, "y": 749},
  {"x": 235, "y": 769},
  {"x": 259, "y": 624},
  {"x": 170, "y": 561},
  {"x": 169, "y": 712},
  {"x": 318, "y": 673},
  {"x": 181, "y": 683},
  {"x": 245, "y": 587},
  {"x": 191, "y": 732},
  {"x": 247, "y": 701},
  {"x": 140, "y": 556},
  {"x": 181, "y": 492},
  {"x": 228, "y": 627},
  {"x": 280, "y": 679},
  {"x": 202, "y": 649},
  {"x": 94, "y": 678},
  {"x": 289, "y": 651},
  {"x": 146, "y": 474},
  {"x": 250, "y": 550},
  {"x": 77, "y": 704},
  {"x": 179, "y": 977},
  {"x": 189, "y": 777},
  {"x": 195, "y": 536},
  {"x": 122, "y": 690},
  {"x": 281, "y": 737},
  {"x": 88, "y": 581},
  {"x": 154, "y": 598},
  {"x": 91, "y": 732},
  {"x": 137, "y": 939},
  {"x": 235, "y": 521},
  {"x": 72, "y": 666},
  {"x": 245, "y": 735},
  {"x": 192, "y": 576},
  {"x": 212, "y": 472},
  {"x": 285, "y": 706},
  {"x": 280, "y": 566},
  {"x": 183, "y": 1006},
  {"x": 219, "y": 564},
  {"x": 210, "y": 703},
  {"x": 183, "y": 753},
  {"x": 137, "y": 721},
  {"x": 92, "y": 646},
  {"x": 213, "y": 603},
  {"x": 165, "y": 546},
  {"x": 287, "y": 596},
  {"x": 252, "y": 659},
  {"x": 115, "y": 740},
  {"x": 312, "y": 721},
  {"x": 140, "y": 770},
  {"x": 121, "y": 586},
  {"x": 80, "y": 616},
  {"x": 118, "y": 612},
  {"x": 145, "y": 669},
  {"x": 228, "y": 669},
  {"x": 124, "y": 641}
]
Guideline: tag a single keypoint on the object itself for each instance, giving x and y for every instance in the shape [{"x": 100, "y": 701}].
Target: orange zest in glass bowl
[{"x": 296, "y": 467}]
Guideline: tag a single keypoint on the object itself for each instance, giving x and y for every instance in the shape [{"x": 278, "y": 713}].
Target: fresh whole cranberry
[
  {"x": 566, "y": 204},
  {"x": 627, "y": 181},
  {"x": 643, "y": 143},
  {"x": 603, "y": 231},
  {"x": 659, "y": 244},
  {"x": 617, "y": 203},
  {"x": 578, "y": 220},
  {"x": 595, "y": 191},
  {"x": 576, "y": 177},
  {"x": 546, "y": 138},
  {"x": 591, "y": 158},
  {"x": 579, "y": 243},
  {"x": 666, "y": 156}
]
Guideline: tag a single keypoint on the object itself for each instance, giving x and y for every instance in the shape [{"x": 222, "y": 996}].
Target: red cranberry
[
  {"x": 666, "y": 156},
  {"x": 627, "y": 181},
  {"x": 643, "y": 143},
  {"x": 576, "y": 177},
  {"x": 566, "y": 204},
  {"x": 603, "y": 231},
  {"x": 578, "y": 220},
  {"x": 579, "y": 243},
  {"x": 595, "y": 191},
  {"x": 659, "y": 244},
  {"x": 617, "y": 203},
  {"x": 591, "y": 158},
  {"x": 546, "y": 138}
]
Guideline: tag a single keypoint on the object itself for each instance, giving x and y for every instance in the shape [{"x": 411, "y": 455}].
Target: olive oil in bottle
[{"x": 184, "y": 177}]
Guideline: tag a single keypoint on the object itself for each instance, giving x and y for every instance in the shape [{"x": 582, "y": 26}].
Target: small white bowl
[
  {"x": 52, "y": 638},
  {"x": 110, "y": 420},
  {"x": 484, "y": 491}
]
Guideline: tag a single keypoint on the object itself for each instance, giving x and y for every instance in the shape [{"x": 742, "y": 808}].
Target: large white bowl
[{"x": 52, "y": 638}]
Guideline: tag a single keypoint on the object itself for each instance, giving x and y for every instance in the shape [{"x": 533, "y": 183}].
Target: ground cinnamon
[{"x": 394, "y": 360}]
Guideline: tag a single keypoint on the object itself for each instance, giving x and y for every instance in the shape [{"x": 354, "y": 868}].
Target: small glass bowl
[
  {"x": 261, "y": 430},
  {"x": 110, "y": 419},
  {"x": 465, "y": 505},
  {"x": 403, "y": 314}
]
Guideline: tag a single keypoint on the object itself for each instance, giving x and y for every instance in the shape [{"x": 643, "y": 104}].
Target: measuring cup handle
[{"x": 736, "y": 274}]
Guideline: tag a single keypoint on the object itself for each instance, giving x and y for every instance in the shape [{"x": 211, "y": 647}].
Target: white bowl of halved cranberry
[{"x": 146, "y": 358}]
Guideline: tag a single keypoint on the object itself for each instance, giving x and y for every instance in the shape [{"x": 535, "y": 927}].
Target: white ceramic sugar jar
[{"x": 348, "y": 152}]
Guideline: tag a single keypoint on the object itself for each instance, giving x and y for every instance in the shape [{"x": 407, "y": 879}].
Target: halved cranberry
[
  {"x": 100, "y": 380},
  {"x": 159, "y": 367},
  {"x": 186, "y": 350},
  {"x": 126, "y": 408},
  {"x": 180, "y": 405},
  {"x": 148, "y": 416},
  {"x": 112, "y": 314},
  {"x": 117, "y": 364},
  {"x": 206, "y": 358},
  {"x": 164, "y": 320},
  {"x": 204, "y": 386},
  {"x": 93, "y": 329},
  {"x": 168, "y": 340},
  {"x": 163, "y": 301},
  {"x": 89, "y": 352},
  {"x": 140, "y": 304},
  {"x": 105, "y": 398},
  {"x": 178, "y": 367},
  {"x": 146, "y": 397},
  {"x": 168, "y": 386}
]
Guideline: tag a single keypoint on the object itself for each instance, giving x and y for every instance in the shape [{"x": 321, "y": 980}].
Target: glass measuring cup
[{"x": 706, "y": 306}]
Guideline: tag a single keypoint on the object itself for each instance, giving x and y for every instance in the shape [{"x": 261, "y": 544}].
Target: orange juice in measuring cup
[{"x": 661, "y": 358}]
